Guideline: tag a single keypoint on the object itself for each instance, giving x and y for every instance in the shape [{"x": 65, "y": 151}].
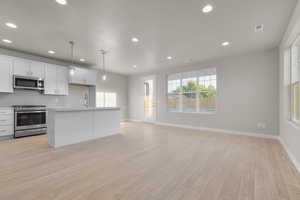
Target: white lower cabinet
[
  {"x": 6, "y": 122},
  {"x": 56, "y": 80},
  {"x": 6, "y": 82}
]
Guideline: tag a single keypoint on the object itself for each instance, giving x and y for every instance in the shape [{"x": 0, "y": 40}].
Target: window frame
[
  {"x": 291, "y": 112},
  {"x": 104, "y": 96},
  {"x": 199, "y": 73},
  {"x": 291, "y": 92}
]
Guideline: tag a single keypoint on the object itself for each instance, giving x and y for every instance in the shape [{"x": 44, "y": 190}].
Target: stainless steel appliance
[
  {"x": 30, "y": 120},
  {"x": 28, "y": 83}
]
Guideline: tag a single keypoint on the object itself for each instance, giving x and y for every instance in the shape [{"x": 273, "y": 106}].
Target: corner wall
[
  {"x": 289, "y": 132},
  {"x": 247, "y": 94}
]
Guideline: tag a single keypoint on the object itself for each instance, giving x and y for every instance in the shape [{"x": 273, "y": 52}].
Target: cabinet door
[
  {"x": 6, "y": 83},
  {"x": 77, "y": 76},
  {"x": 62, "y": 80},
  {"x": 84, "y": 76},
  {"x": 50, "y": 79},
  {"x": 21, "y": 67},
  {"x": 37, "y": 69},
  {"x": 91, "y": 77}
]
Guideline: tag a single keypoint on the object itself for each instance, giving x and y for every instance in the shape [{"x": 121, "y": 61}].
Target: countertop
[{"x": 75, "y": 109}]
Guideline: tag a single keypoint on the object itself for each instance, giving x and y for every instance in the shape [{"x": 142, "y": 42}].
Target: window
[
  {"x": 294, "y": 82},
  {"x": 192, "y": 91},
  {"x": 106, "y": 99}
]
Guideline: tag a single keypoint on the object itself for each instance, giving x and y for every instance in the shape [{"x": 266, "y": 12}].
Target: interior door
[{"x": 150, "y": 99}]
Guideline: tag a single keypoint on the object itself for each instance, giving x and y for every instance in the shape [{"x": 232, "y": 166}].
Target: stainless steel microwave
[{"x": 28, "y": 83}]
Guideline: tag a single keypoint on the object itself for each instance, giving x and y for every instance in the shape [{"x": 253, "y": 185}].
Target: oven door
[
  {"x": 30, "y": 83},
  {"x": 30, "y": 119}
]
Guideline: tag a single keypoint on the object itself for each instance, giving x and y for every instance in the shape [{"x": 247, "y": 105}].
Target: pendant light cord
[
  {"x": 72, "y": 51},
  {"x": 103, "y": 60}
]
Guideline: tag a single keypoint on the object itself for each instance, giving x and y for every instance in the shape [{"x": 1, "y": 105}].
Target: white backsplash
[{"x": 77, "y": 97}]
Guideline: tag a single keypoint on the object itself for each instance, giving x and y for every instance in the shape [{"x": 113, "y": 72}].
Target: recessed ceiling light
[
  {"x": 207, "y": 8},
  {"x": 51, "y": 52},
  {"x": 82, "y": 60},
  {"x": 11, "y": 25},
  {"x": 224, "y": 44},
  {"x": 169, "y": 57},
  {"x": 134, "y": 66},
  {"x": 134, "y": 39},
  {"x": 62, "y": 2},
  {"x": 7, "y": 41}
]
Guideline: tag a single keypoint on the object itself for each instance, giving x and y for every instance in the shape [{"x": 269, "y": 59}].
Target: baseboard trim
[
  {"x": 231, "y": 132},
  {"x": 135, "y": 120},
  {"x": 290, "y": 154},
  {"x": 5, "y": 137}
]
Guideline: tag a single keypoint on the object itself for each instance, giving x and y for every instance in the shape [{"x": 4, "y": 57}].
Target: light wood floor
[{"x": 148, "y": 162}]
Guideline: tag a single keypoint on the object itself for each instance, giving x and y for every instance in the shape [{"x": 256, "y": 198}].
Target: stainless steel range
[{"x": 30, "y": 120}]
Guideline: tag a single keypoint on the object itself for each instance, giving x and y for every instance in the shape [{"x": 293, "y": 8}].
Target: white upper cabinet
[
  {"x": 76, "y": 76},
  {"x": 23, "y": 67},
  {"x": 50, "y": 79},
  {"x": 62, "y": 80},
  {"x": 56, "y": 80},
  {"x": 37, "y": 69},
  {"x": 56, "y": 77},
  {"x": 83, "y": 76},
  {"x": 6, "y": 83},
  {"x": 91, "y": 77}
]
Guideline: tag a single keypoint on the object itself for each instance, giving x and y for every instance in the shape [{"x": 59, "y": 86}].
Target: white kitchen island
[{"x": 72, "y": 125}]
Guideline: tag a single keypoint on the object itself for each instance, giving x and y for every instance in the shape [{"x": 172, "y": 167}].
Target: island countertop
[
  {"x": 74, "y": 109},
  {"x": 70, "y": 125}
]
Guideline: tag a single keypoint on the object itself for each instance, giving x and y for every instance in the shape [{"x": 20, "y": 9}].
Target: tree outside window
[{"x": 196, "y": 93}]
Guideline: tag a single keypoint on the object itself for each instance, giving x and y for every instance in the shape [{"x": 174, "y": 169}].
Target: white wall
[
  {"x": 247, "y": 94},
  {"x": 116, "y": 83},
  {"x": 77, "y": 95},
  {"x": 289, "y": 132}
]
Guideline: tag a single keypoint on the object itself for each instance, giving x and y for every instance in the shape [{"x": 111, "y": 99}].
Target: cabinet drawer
[
  {"x": 6, "y": 119},
  {"x": 6, "y": 130}
]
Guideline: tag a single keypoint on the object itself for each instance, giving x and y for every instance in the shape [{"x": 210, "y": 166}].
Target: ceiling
[{"x": 176, "y": 28}]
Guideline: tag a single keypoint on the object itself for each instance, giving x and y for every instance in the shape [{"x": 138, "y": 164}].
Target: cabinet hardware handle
[{"x": 2, "y": 130}]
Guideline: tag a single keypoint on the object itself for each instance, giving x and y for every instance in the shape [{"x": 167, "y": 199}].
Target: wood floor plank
[{"x": 149, "y": 162}]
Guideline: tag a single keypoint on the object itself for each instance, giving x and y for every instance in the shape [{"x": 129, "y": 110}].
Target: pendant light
[
  {"x": 72, "y": 70},
  {"x": 104, "y": 76}
]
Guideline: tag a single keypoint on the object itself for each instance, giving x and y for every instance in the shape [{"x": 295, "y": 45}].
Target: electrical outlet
[{"x": 261, "y": 125}]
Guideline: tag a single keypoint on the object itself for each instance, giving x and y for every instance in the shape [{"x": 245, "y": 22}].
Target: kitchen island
[{"x": 70, "y": 125}]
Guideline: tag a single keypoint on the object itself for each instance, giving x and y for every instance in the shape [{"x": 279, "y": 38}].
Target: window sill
[
  {"x": 294, "y": 124},
  {"x": 200, "y": 112}
]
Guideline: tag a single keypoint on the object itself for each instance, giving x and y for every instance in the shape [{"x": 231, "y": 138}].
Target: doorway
[{"x": 149, "y": 99}]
